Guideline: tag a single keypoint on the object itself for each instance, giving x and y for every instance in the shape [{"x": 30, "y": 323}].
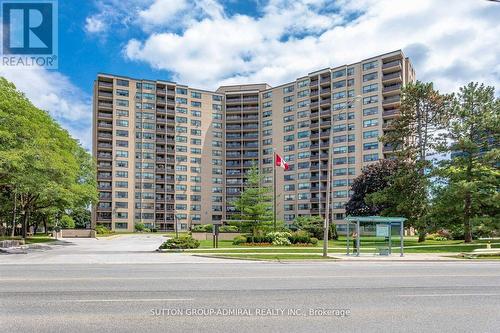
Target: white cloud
[
  {"x": 161, "y": 12},
  {"x": 94, "y": 24},
  {"x": 53, "y": 92},
  {"x": 450, "y": 45}
]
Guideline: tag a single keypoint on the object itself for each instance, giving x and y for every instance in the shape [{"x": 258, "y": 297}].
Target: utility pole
[{"x": 328, "y": 210}]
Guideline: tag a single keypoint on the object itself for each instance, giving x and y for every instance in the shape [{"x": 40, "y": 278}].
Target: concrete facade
[{"x": 167, "y": 152}]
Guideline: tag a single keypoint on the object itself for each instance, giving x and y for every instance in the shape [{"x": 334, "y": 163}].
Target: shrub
[
  {"x": 228, "y": 228},
  {"x": 140, "y": 227},
  {"x": 281, "y": 241},
  {"x": 183, "y": 242},
  {"x": 239, "y": 240},
  {"x": 314, "y": 241},
  {"x": 154, "y": 230},
  {"x": 300, "y": 237},
  {"x": 102, "y": 230},
  {"x": 436, "y": 237},
  {"x": 67, "y": 222},
  {"x": 259, "y": 239},
  {"x": 280, "y": 238},
  {"x": 202, "y": 228}
]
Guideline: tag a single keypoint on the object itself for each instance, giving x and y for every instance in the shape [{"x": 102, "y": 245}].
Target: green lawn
[
  {"x": 368, "y": 245},
  {"x": 274, "y": 257}
]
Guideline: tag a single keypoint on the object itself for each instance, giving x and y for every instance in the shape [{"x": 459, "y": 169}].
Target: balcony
[
  {"x": 392, "y": 78},
  {"x": 325, "y": 91},
  {"x": 104, "y": 145},
  {"x": 313, "y": 93},
  {"x": 105, "y": 115},
  {"x": 314, "y": 105},
  {"x": 104, "y": 125},
  {"x": 105, "y": 105},
  {"x": 390, "y": 113},
  {"x": 104, "y": 84},
  {"x": 250, "y": 108},
  {"x": 391, "y": 66},
  {"x": 105, "y": 94},
  {"x": 390, "y": 101},
  {"x": 392, "y": 89},
  {"x": 326, "y": 101}
]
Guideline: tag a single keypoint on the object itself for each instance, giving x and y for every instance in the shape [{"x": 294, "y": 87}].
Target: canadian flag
[{"x": 279, "y": 161}]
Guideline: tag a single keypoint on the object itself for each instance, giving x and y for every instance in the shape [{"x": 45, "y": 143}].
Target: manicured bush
[
  {"x": 140, "y": 227},
  {"x": 239, "y": 240},
  {"x": 314, "y": 241},
  {"x": 228, "y": 228},
  {"x": 202, "y": 228},
  {"x": 154, "y": 230},
  {"x": 102, "y": 230},
  {"x": 183, "y": 242},
  {"x": 300, "y": 237}
]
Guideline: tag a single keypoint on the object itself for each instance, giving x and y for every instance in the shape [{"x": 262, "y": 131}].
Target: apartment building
[{"x": 167, "y": 153}]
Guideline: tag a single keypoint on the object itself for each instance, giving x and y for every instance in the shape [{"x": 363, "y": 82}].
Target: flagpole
[{"x": 274, "y": 190}]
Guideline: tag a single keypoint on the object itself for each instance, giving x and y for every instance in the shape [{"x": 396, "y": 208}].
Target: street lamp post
[{"x": 328, "y": 210}]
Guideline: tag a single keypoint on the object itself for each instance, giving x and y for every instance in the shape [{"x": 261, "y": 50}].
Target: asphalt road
[{"x": 122, "y": 285}]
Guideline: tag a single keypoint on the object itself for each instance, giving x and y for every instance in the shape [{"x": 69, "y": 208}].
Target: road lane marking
[
  {"x": 447, "y": 295},
  {"x": 120, "y": 300},
  {"x": 363, "y": 276}
]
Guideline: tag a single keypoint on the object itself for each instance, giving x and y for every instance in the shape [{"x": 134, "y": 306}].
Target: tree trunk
[
  {"x": 421, "y": 236},
  {"x": 467, "y": 216},
  {"x": 13, "y": 232},
  {"x": 45, "y": 225}
]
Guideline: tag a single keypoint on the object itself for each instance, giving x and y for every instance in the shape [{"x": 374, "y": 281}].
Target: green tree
[
  {"x": 472, "y": 139},
  {"x": 41, "y": 166},
  {"x": 67, "y": 222},
  {"x": 254, "y": 204},
  {"x": 375, "y": 177},
  {"x": 414, "y": 136},
  {"x": 314, "y": 226}
]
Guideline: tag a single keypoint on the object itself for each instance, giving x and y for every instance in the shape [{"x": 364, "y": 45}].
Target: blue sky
[{"x": 207, "y": 43}]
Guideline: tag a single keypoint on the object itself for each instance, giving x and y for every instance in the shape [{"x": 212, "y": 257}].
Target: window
[
  {"x": 369, "y": 65},
  {"x": 181, "y": 91},
  {"x": 369, "y": 77},
  {"x": 288, "y": 89},
  {"x": 288, "y": 119},
  {"x": 370, "y": 88},
  {"x": 123, "y": 123},
  {"x": 121, "y": 153},
  {"x": 339, "y": 95},
  {"x": 303, "y": 93},
  {"x": 370, "y": 122},
  {"x": 350, "y": 71},
  {"x": 196, "y": 113},
  {"x": 121, "y": 92},
  {"x": 181, "y": 100},
  {"x": 370, "y": 145},
  {"x": 122, "y": 102},
  {"x": 122, "y": 83},
  {"x": 370, "y": 157},
  {"x": 288, "y": 108},
  {"x": 339, "y": 73},
  {"x": 370, "y": 134},
  {"x": 339, "y": 84},
  {"x": 370, "y": 99},
  {"x": 288, "y": 128},
  {"x": 303, "y": 134},
  {"x": 217, "y": 98},
  {"x": 196, "y": 104},
  {"x": 303, "y": 83},
  {"x": 195, "y": 94},
  {"x": 287, "y": 99},
  {"x": 370, "y": 111},
  {"x": 267, "y": 94},
  {"x": 267, "y": 104}
]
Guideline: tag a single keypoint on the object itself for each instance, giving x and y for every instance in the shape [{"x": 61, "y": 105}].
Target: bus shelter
[{"x": 384, "y": 227}]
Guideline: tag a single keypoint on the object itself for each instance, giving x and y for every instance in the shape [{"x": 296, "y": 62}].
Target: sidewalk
[{"x": 412, "y": 257}]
